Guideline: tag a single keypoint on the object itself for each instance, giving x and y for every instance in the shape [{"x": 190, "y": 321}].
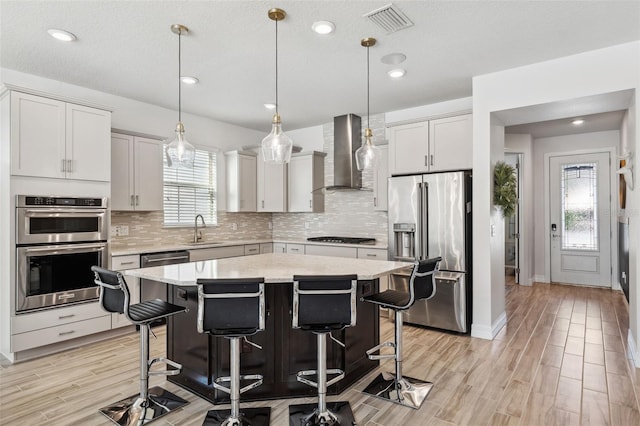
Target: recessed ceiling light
[
  {"x": 397, "y": 73},
  {"x": 61, "y": 35},
  {"x": 577, "y": 121},
  {"x": 270, "y": 106},
  {"x": 323, "y": 27},
  {"x": 186, "y": 79},
  {"x": 393, "y": 58}
]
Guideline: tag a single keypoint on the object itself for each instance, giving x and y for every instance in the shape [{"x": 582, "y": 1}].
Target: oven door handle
[
  {"x": 65, "y": 248},
  {"x": 64, "y": 212}
]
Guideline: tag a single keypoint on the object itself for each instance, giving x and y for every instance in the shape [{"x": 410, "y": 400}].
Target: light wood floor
[{"x": 560, "y": 360}]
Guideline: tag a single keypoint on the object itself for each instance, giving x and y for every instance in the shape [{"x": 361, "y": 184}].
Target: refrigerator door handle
[
  {"x": 424, "y": 217},
  {"x": 420, "y": 231}
]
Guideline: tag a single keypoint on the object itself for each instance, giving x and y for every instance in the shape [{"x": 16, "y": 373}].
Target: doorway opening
[{"x": 512, "y": 228}]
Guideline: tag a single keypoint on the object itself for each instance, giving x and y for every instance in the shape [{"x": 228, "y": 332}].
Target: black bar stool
[
  {"x": 233, "y": 309},
  {"x": 149, "y": 404},
  {"x": 398, "y": 388},
  {"x": 321, "y": 305}
]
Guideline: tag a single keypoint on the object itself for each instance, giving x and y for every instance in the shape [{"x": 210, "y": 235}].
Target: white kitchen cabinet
[
  {"x": 266, "y": 248},
  {"x": 349, "y": 252},
  {"x": 380, "y": 180},
  {"x": 55, "y": 139},
  {"x": 136, "y": 173},
  {"x": 122, "y": 263},
  {"x": 251, "y": 249},
  {"x": 431, "y": 146},
  {"x": 372, "y": 253},
  {"x": 279, "y": 247},
  {"x": 306, "y": 180},
  {"x": 241, "y": 181},
  {"x": 271, "y": 186},
  {"x": 32, "y": 330},
  {"x": 451, "y": 143},
  {"x": 295, "y": 248}
]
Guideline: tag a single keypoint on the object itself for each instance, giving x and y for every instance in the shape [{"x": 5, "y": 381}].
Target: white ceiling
[{"x": 126, "y": 48}]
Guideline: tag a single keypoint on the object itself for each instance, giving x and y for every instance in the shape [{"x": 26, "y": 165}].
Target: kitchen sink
[{"x": 205, "y": 243}]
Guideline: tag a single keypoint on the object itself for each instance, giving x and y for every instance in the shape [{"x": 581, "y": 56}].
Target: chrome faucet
[{"x": 197, "y": 235}]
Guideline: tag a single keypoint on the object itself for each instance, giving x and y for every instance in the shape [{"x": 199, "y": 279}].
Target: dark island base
[{"x": 285, "y": 350}]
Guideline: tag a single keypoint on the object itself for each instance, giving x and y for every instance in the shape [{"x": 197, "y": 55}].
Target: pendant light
[
  {"x": 180, "y": 153},
  {"x": 367, "y": 155},
  {"x": 276, "y": 146}
]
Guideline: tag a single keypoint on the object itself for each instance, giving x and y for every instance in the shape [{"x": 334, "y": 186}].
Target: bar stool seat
[
  {"x": 234, "y": 309},
  {"x": 321, "y": 305},
  {"x": 149, "y": 404},
  {"x": 397, "y": 388}
]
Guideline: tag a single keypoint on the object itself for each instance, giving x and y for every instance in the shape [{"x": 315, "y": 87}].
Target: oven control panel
[{"x": 37, "y": 201}]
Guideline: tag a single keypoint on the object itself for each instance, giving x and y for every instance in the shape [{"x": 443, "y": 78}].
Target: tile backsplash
[{"x": 347, "y": 213}]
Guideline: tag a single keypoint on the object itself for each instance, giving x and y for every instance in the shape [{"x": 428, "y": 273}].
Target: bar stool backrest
[
  {"x": 231, "y": 307},
  {"x": 325, "y": 302},
  {"x": 423, "y": 283},
  {"x": 114, "y": 292}
]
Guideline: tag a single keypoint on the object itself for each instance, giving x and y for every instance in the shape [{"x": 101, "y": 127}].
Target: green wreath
[{"x": 505, "y": 186}]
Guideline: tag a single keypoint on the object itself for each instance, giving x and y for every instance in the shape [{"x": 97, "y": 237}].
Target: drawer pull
[
  {"x": 372, "y": 255},
  {"x": 66, "y": 316},
  {"x": 65, "y": 333},
  {"x": 127, "y": 263}
]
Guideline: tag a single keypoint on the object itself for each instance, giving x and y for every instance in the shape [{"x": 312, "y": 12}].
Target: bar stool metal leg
[
  {"x": 397, "y": 388},
  {"x": 323, "y": 413},
  {"x": 235, "y": 417},
  {"x": 149, "y": 404}
]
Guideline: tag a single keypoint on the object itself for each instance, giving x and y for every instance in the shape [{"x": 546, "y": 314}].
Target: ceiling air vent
[{"x": 389, "y": 18}]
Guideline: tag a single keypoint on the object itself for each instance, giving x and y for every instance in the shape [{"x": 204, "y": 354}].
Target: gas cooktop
[{"x": 343, "y": 240}]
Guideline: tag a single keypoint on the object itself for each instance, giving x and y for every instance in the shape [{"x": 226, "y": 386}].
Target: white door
[{"x": 580, "y": 213}]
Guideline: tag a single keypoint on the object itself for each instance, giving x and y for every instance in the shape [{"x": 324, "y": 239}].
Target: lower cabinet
[
  {"x": 285, "y": 350},
  {"x": 32, "y": 330},
  {"x": 216, "y": 253},
  {"x": 350, "y": 252}
]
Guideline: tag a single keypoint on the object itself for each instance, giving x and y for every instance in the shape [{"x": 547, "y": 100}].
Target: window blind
[{"x": 189, "y": 192}]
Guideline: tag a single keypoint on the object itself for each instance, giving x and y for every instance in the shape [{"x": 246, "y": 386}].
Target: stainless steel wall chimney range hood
[{"x": 347, "y": 133}]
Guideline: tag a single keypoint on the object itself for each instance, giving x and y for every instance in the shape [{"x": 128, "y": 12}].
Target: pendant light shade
[
  {"x": 277, "y": 146},
  {"x": 180, "y": 153},
  {"x": 367, "y": 155}
]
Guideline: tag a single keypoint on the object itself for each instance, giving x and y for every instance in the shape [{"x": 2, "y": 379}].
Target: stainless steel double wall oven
[{"x": 58, "y": 239}]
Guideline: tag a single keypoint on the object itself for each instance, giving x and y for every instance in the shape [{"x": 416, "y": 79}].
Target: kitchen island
[{"x": 285, "y": 350}]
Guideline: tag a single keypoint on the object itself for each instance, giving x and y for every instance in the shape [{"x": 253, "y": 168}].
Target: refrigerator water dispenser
[{"x": 405, "y": 241}]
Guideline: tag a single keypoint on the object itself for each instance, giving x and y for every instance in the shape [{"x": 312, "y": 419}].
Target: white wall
[
  {"x": 591, "y": 73},
  {"x": 309, "y": 138},
  {"x": 542, "y": 146},
  {"x": 522, "y": 144}
]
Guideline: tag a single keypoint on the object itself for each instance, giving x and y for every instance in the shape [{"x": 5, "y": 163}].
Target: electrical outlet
[
  {"x": 270, "y": 225},
  {"x": 124, "y": 230},
  {"x": 115, "y": 231},
  {"x": 307, "y": 225},
  {"x": 493, "y": 230},
  {"x": 234, "y": 226}
]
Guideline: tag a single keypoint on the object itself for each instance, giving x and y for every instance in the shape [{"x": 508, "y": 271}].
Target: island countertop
[{"x": 274, "y": 267}]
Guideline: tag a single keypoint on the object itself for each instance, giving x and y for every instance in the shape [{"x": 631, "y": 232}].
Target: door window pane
[{"x": 579, "y": 206}]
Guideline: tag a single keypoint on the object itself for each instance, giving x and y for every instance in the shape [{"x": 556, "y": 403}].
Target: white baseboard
[
  {"x": 633, "y": 350},
  {"x": 540, "y": 279},
  {"x": 489, "y": 333}
]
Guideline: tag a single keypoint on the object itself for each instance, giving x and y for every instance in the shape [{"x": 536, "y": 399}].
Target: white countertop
[
  {"x": 274, "y": 267},
  {"x": 144, "y": 249}
]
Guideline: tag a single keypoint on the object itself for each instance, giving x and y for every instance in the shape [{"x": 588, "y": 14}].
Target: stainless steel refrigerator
[{"x": 430, "y": 216}]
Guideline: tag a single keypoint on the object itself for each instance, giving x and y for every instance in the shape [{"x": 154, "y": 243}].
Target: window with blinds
[{"x": 189, "y": 192}]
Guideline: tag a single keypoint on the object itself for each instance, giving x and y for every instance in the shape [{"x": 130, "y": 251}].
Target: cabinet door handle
[
  {"x": 63, "y": 164},
  {"x": 263, "y": 204},
  {"x": 137, "y": 201},
  {"x": 431, "y": 160},
  {"x": 66, "y": 316},
  {"x": 372, "y": 255},
  {"x": 70, "y": 166},
  {"x": 64, "y": 333},
  {"x": 375, "y": 201},
  {"x": 127, "y": 263},
  {"x": 310, "y": 205},
  {"x": 426, "y": 160},
  {"x": 132, "y": 201}
]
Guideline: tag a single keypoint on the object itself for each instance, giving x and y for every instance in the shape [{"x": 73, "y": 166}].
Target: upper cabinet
[
  {"x": 306, "y": 180},
  {"x": 55, "y": 139},
  {"x": 380, "y": 179},
  {"x": 272, "y": 186},
  {"x": 430, "y": 146},
  {"x": 136, "y": 173},
  {"x": 241, "y": 181}
]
